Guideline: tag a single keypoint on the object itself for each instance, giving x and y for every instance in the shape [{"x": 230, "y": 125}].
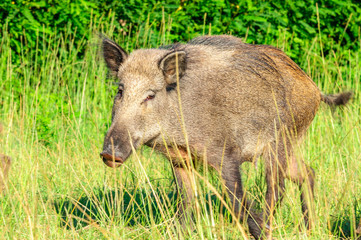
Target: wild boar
[
  {"x": 5, "y": 163},
  {"x": 219, "y": 99}
]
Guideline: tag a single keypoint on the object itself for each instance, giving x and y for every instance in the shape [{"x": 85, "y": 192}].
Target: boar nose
[{"x": 110, "y": 160}]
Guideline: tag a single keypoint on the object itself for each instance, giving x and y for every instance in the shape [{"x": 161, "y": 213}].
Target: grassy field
[{"x": 55, "y": 110}]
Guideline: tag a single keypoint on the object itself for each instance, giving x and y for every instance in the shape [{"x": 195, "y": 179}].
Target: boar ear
[
  {"x": 113, "y": 55},
  {"x": 168, "y": 65}
]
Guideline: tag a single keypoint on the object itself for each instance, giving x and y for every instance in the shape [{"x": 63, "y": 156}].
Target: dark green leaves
[{"x": 162, "y": 22}]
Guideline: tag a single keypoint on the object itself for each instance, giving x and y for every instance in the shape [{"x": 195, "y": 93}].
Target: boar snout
[
  {"x": 111, "y": 161},
  {"x": 117, "y": 147}
]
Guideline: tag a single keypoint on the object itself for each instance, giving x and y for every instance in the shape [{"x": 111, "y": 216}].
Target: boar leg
[
  {"x": 280, "y": 163},
  {"x": 232, "y": 177},
  {"x": 274, "y": 162},
  {"x": 186, "y": 192},
  {"x": 303, "y": 175}
]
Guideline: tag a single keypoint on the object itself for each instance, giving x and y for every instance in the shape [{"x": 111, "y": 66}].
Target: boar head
[{"x": 146, "y": 99}]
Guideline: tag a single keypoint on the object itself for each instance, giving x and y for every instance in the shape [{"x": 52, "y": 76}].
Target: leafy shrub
[{"x": 159, "y": 22}]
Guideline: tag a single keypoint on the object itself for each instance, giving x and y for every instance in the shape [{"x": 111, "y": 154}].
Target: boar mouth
[{"x": 111, "y": 161}]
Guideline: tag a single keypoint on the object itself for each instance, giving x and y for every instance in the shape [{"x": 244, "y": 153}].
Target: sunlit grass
[{"x": 56, "y": 109}]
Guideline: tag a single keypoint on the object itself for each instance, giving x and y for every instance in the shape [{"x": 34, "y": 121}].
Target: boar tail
[{"x": 336, "y": 99}]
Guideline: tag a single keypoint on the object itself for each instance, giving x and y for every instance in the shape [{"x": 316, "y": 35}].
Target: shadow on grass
[
  {"x": 343, "y": 224},
  {"x": 128, "y": 207}
]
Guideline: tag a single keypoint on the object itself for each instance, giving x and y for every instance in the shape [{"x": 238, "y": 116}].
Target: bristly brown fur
[
  {"x": 337, "y": 99},
  {"x": 237, "y": 102}
]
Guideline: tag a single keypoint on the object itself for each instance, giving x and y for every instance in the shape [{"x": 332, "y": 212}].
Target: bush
[{"x": 159, "y": 22}]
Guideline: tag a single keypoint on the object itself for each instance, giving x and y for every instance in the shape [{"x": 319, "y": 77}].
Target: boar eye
[
  {"x": 150, "y": 97},
  {"x": 171, "y": 87},
  {"x": 120, "y": 93}
]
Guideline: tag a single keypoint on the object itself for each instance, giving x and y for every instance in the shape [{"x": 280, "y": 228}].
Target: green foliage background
[{"x": 261, "y": 21}]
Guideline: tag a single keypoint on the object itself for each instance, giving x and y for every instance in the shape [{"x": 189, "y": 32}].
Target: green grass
[{"x": 55, "y": 110}]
